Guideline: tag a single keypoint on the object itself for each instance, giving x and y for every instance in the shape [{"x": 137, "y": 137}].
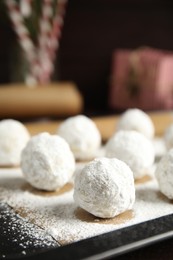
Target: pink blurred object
[{"x": 142, "y": 78}]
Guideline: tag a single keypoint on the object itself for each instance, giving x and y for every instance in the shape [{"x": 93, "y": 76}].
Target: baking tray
[
  {"x": 16, "y": 242},
  {"x": 105, "y": 246},
  {"x": 116, "y": 243}
]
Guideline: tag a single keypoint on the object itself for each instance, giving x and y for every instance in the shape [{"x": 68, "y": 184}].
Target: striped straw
[
  {"x": 25, "y": 8},
  {"x": 24, "y": 38},
  {"x": 50, "y": 36},
  {"x": 40, "y": 58}
]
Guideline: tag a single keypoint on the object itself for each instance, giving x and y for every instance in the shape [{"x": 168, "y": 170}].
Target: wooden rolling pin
[{"x": 58, "y": 99}]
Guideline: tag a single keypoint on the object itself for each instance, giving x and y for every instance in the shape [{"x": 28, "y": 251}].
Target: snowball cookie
[
  {"x": 47, "y": 162},
  {"x": 164, "y": 174},
  {"x": 13, "y": 138},
  {"x": 105, "y": 187},
  {"x": 82, "y": 135},
  {"x": 168, "y": 137},
  {"x": 138, "y": 120},
  {"x": 134, "y": 149}
]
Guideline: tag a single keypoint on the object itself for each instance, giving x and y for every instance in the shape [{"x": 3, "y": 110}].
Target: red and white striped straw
[
  {"x": 43, "y": 38},
  {"x": 24, "y": 37},
  {"x": 40, "y": 58},
  {"x": 25, "y": 7},
  {"x": 57, "y": 28},
  {"x": 50, "y": 36}
]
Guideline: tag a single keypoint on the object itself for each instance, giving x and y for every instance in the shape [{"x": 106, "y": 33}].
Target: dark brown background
[{"x": 92, "y": 30}]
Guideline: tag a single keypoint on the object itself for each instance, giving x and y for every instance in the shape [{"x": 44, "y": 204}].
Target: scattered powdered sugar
[
  {"x": 21, "y": 236},
  {"x": 56, "y": 214}
]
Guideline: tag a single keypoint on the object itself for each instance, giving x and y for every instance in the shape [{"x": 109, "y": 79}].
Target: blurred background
[{"x": 92, "y": 35}]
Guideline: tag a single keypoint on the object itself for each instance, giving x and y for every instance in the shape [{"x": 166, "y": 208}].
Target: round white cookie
[
  {"x": 164, "y": 174},
  {"x": 138, "y": 120},
  {"x": 134, "y": 149},
  {"x": 82, "y": 135},
  {"x": 47, "y": 162},
  {"x": 168, "y": 137},
  {"x": 13, "y": 138},
  {"x": 105, "y": 187}
]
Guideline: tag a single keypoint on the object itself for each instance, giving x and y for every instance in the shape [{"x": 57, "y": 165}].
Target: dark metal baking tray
[{"x": 105, "y": 246}]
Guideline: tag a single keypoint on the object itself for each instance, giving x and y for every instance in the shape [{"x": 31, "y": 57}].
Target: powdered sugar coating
[
  {"x": 47, "y": 162},
  {"x": 138, "y": 120},
  {"x": 105, "y": 187},
  {"x": 168, "y": 137},
  {"x": 82, "y": 135},
  {"x": 13, "y": 138},
  {"x": 164, "y": 174},
  {"x": 134, "y": 149}
]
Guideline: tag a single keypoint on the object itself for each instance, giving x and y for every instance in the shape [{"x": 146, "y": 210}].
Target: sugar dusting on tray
[
  {"x": 23, "y": 237},
  {"x": 58, "y": 215}
]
